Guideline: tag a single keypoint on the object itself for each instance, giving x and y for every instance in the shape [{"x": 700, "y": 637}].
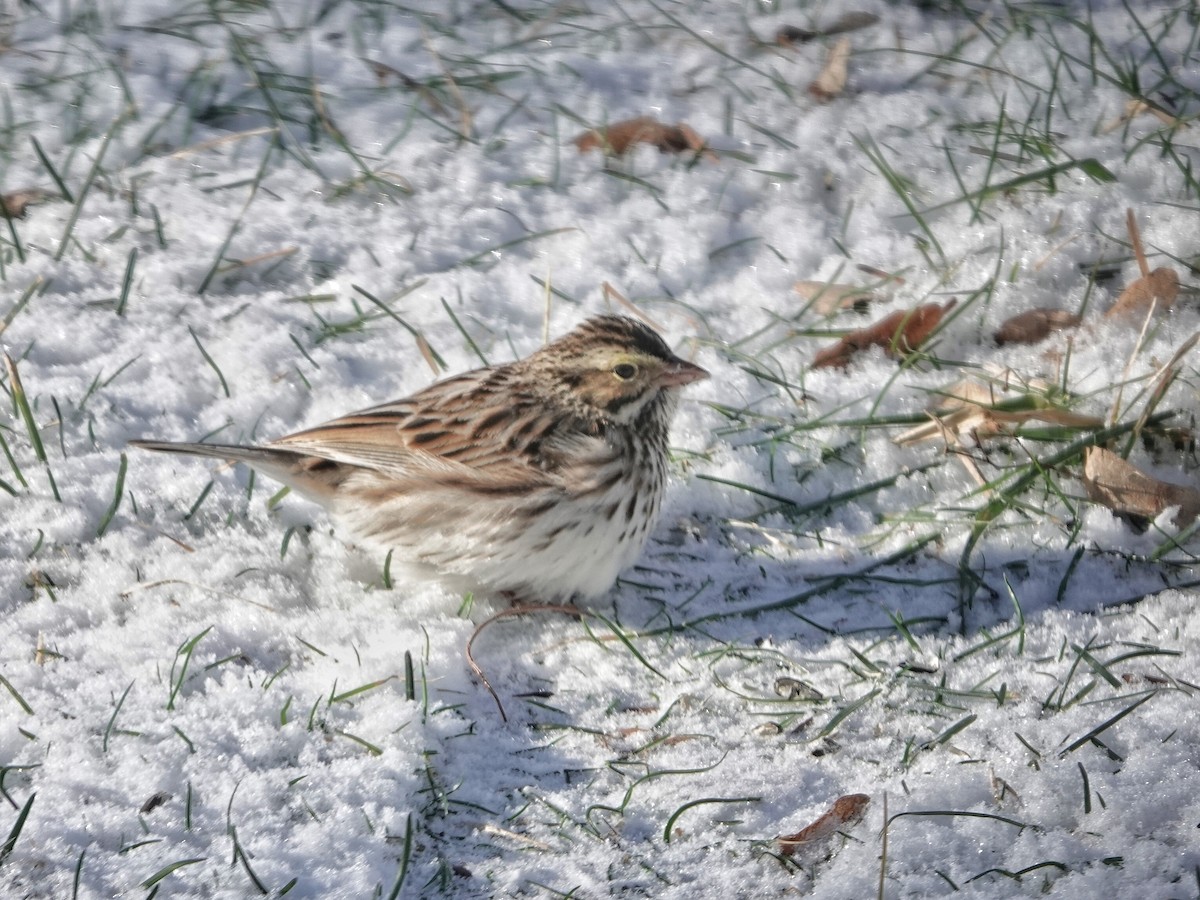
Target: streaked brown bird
[{"x": 541, "y": 478}]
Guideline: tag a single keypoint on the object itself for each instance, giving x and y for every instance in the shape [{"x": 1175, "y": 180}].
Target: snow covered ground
[{"x": 259, "y": 216}]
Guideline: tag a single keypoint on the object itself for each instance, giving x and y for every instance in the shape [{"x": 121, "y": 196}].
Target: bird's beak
[{"x": 679, "y": 372}]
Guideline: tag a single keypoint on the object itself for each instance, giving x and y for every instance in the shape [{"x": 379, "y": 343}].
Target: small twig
[{"x": 477, "y": 670}]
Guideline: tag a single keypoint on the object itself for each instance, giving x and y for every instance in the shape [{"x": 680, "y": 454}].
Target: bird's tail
[
  {"x": 234, "y": 452},
  {"x": 312, "y": 476}
]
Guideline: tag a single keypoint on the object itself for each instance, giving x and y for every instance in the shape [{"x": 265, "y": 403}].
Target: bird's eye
[{"x": 625, "y": 371}]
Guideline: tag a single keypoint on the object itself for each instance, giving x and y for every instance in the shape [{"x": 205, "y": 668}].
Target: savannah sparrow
[{"x": 540, "y": 478}]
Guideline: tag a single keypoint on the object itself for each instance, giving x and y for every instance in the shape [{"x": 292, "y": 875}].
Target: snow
[{"x": 220, "y": 683}]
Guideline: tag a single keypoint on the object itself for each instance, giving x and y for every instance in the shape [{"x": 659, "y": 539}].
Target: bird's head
[{"x": 613, "y": 366}]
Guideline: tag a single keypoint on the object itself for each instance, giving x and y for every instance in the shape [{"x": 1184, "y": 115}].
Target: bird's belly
[
  {"x": 577, "y": 549},
  {"x": 542, "y": 547}
]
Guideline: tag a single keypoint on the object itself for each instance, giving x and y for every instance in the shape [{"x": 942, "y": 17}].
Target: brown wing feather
[{"x": 482, "y": 424}]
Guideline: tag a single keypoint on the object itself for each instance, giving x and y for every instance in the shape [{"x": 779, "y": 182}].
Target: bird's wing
[
  {"x": 479, "y": 426},
  {"x": 481, "y": 431}
]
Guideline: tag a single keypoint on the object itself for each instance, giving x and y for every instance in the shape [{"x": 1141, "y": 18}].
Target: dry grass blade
[
  {"x": 618, "y": 138},
  {"x": 1034, "y": 325},
  {"x": 382, "y": 71},
  {"x": 831, "y": 80},
  {"x": 523, "y": 840},
  {"x": 989, "y": 409},
  {"x": 611, "y": 293},
  {"x": 1141, "y": 106},
  {"x": 168, "y": 582},
  {"x": 232, "y": 264},
  {"x": 1164, "y": 379},
  {"x": 1135, "y": 239},
  {"x": 1124, "y": 488},
  {"x": 469, "y": 651},
  {"x": 183, "y": 152},
  {"x": 846, "y": 811},
  {"x": 174, "y": 540},
  {"x": 883, "y": 276},
  {"x": 465, "y": 119},
  {"x": 827, "y": 298}
]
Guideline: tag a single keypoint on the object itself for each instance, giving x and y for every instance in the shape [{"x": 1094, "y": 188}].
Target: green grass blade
[
  {"x": 10, "y": 843},
  {"x": 118, "y": 493},
  {"x": 35, "y": 437}
]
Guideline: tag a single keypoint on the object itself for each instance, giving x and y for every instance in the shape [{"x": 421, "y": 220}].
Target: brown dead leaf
[
  {"x": 1137, "y": 678},
  {"x": 790, "y": 35},
  {"x": 616, "y": 139},
  {"x": 1034, "y": 325},
  {"x": 1157, "y": 290},
  {"x": 899, "y": 334},
  {"x": 795, "y": 689},
  {"x": 846, "y": 811},
  {"x": 827, "y": 297},
  {"x": 16, "y": 203},
  {"x": 831, "y": 80},
  {"x": 1124, "y": 488}
]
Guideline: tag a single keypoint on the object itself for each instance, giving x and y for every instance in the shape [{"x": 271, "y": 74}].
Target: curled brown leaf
[
  {"x": 17, "y": 202},
  {"x": 1157, "y": 290},
  {"x": 831, "y": 80},
  {"x": 618, "y": 138},
  {"x": 1034, "y": 325},
  {"x": 899, "y": 334},
  {"x": 1126, "y": 489},
  {"x": 846, "y": 811}
]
